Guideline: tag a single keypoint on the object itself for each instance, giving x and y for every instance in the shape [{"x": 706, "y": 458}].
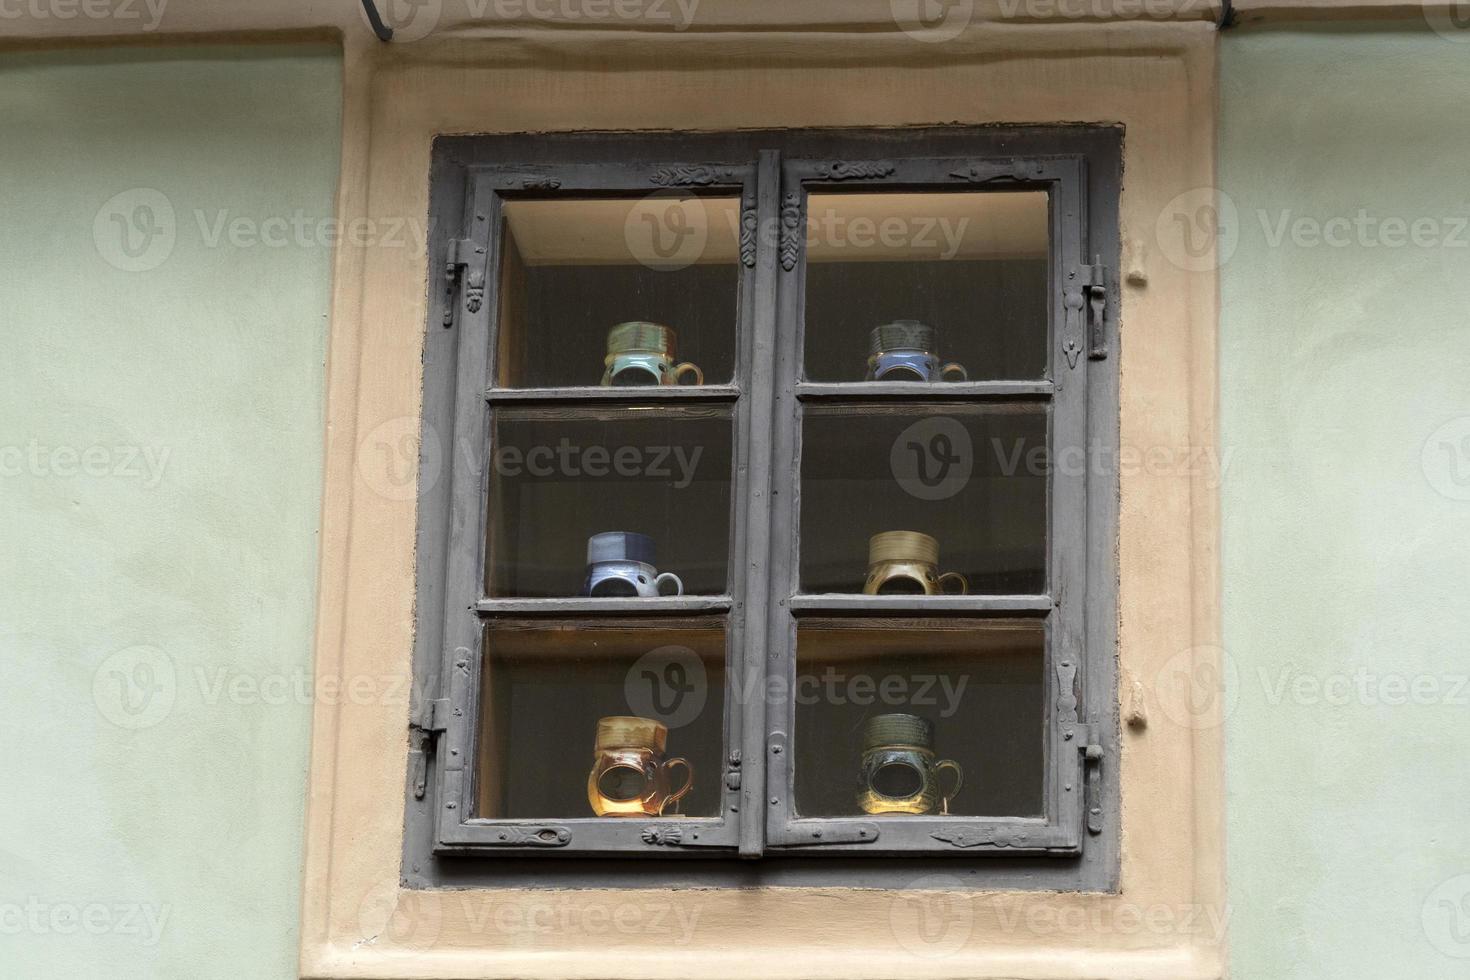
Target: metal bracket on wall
[{"x": 384, "y": 32}]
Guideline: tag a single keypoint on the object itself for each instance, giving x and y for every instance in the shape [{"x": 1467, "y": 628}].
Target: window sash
[{"x": 769, "y": 396}]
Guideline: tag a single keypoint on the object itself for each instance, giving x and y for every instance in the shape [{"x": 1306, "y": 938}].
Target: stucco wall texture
[
  {"x": 1345, "y": 342},
  {"x": 162, "y": 343}
]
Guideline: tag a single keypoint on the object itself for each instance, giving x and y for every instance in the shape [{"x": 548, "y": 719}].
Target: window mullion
[{"x": 756, "y": 527}]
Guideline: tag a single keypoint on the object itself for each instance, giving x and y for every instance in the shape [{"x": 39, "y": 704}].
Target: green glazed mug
[
  {"x": 899, "y": 772},
  {"x": 641, "y": 354}
]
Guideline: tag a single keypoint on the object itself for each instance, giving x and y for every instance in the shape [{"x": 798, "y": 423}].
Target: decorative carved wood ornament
[
  {"x": 791, "y": 231},
  {"x": 855, "y": 170},
  {"x": 692, "y": 176}
]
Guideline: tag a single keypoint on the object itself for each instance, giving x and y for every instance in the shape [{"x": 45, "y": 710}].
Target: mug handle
[
  {"x": 675, "y": 796},
  {"x": 954, "y": 367},
  {"x": 685, "y": 368},
  {"x": 956, "y": 577},
  {"x": 959, "y": 781},
  {"x": 678, "y": 583}
]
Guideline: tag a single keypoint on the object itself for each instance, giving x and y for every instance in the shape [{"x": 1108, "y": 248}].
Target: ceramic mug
[
  {"x": 904, "y": 350},
  {"x": 899, "y": 772},
  {"x": 622, "y": 564},
  {"x": 642, "y": 354},
  {"x": 907, "y": 563},
  {"x": 630, "y": 776}
]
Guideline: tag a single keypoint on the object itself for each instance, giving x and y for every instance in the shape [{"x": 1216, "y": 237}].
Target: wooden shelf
[{"x": 583, "y": 606}]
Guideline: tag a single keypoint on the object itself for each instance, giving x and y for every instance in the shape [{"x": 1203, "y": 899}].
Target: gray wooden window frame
[{"x": 1075, "y": 843}]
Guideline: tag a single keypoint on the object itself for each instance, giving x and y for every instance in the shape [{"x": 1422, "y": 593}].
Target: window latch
[
  {"x": 1089, "y": 746},
  {"x": 1097, "y": 305},
  {"x": 467, "y": 255},
  {"x": 428, "y": 720},
  {"x": 1085, "y": 296}
]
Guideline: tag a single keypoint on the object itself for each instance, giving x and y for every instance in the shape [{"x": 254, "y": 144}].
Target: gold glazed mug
[
  {"x": 899, "y": 772},
  {"x": 907, "y": 563},
  {"x": 642, "y": 354},
  {"x": 630, "y": 776}
]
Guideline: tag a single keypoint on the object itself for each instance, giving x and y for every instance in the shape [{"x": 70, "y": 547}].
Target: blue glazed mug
[
  {"x": 905, "y": 350},
  {"x": 621, "y": 564},
  {"x": 641, "y": 354}
]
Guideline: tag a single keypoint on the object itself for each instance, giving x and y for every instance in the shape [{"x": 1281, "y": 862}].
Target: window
[{"x": 768, "y": 524}]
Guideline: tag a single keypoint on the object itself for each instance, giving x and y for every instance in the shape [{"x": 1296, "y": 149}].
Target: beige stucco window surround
[{"x": 728, "y": 71}]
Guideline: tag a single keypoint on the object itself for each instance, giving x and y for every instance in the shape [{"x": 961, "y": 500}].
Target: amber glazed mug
[
  {"x": 907, "y": 563},
  {"x": 630, "y": 776},
  {"x": 642, "y": 354},
  {"x": 899, "y": 771}
]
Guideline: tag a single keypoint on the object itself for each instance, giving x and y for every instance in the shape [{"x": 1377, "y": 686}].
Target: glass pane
[
  {"x": 597, "y": 719},
  {"x": 891, "y": 717},
  {"x": 967, "y": 484},
  {"x": 575, "y": 270},
  {"x": 657, "y": 480},
  {"x": 901, "y": 285}
]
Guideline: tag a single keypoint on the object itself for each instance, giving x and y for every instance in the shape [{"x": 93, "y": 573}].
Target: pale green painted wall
[
  {"x": 160, "y": 466},
  {"x": 1345, "y": 538}
]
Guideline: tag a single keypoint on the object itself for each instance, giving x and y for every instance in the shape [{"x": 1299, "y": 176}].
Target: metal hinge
[
  {"x": 817, "y": 834},
  {"x": 469, "y": 255},
  {"x": 433, "y": 716},
  {"x": 427, "y": 721},
  {"x": 1089, "y": 746}
]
